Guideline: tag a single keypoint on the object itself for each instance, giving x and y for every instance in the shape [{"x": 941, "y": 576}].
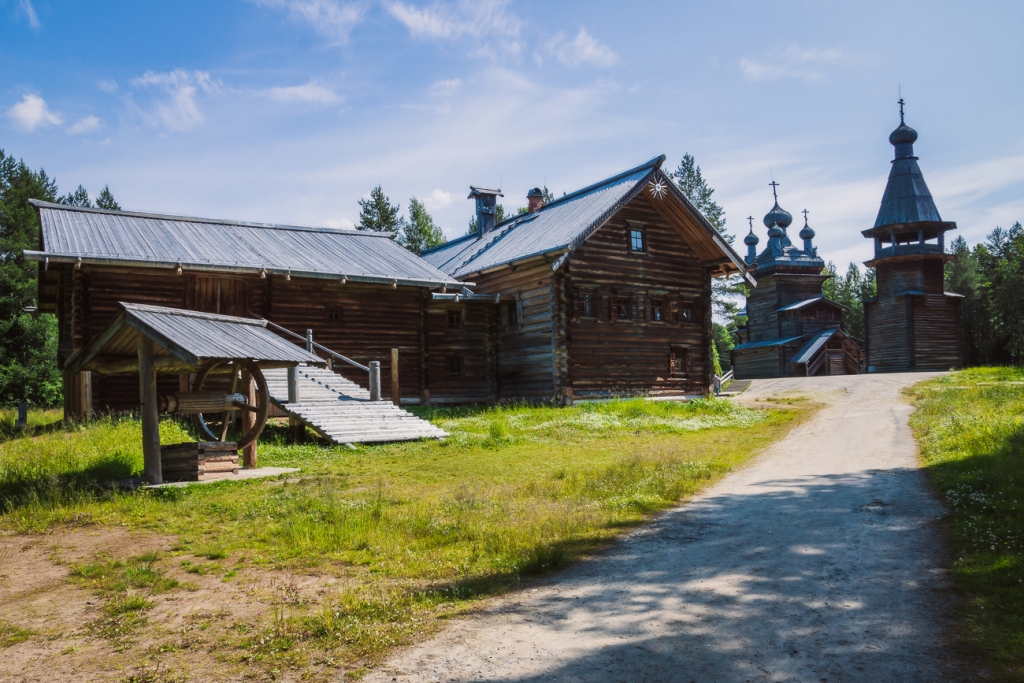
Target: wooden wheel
[{"x": 225, "y": 426}]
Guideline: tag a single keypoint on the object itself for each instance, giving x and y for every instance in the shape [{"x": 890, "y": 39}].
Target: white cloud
[
  {"x": 179, "y": 110},
  {"x": 31, "y": 113},
  {"x": 308, "y": 92},
  {"x": 462, "y": 19},
  {"x": 107, "y": 86},
  {"x": 89, "y": 124},
  {"x": 329, "y": 18},
  {"x": 30, "y": 14},
  {"x": 583, "y": 49},
  {"x": 793, "y": 62},
  {"x": 446, "y": 87},
  {"x": 437, "y": 200}
]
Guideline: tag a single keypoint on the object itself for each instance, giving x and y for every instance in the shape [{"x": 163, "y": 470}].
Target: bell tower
[{"x": 912, "y": 324}]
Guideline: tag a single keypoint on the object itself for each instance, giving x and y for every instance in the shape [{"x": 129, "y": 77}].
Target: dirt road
[{"x": 818, "y": 562}]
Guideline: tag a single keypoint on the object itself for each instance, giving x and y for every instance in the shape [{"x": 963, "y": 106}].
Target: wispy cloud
[
  {"x": 583, "y": 49},
  {"x": 329, "y": 18},
  {"x": 30, "y": 14},
  {"x": 438, "y": 199},
  {"x": 179, "y": 110},
  {"x": 793, "y": 62},
  {"x": 463, "y": 19},
  {"x": 311, "y": 92},
  {"x": 89, "y": 124},
  {"x": 446, "y": 87},
  {"x": 107, "y": 86},
  {"x": 31, "y": 113}
]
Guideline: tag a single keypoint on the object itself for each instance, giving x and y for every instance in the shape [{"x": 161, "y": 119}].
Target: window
[
  {"x": 657, "y": 310},
  {"x": 677, "y": 361},
  {"x": 455, "y": 319},
  {"x": 621, "y": 308},
  {"x": 587, "y": 305},
  {"x": 687, "y": 313},
  {"x": 456, "y": 366},
  {"x": 333, "y": 316},
  {"x": 636, "y": 240}
]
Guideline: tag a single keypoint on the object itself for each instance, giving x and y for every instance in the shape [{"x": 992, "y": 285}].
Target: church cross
[
  {"x": 751, "y": 220},
  {"x": 774, "y": 194},
  {"x": 805, "y": 212},
  {"x": 901, "y": 109}
]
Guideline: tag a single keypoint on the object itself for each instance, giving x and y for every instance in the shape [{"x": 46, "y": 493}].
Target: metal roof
[
  {"x": 765, "y": 343},
  {"x": 188, "y": 338},
  {"x": 808, "y": 302},
  {"x": 132, "y": 238},
  {"x": 560, "y": 225},
  {"x": 805, "y": 354},
  {"x": 906, "y": 198}
]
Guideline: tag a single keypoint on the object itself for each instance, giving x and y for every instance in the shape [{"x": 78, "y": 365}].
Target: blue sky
[{"x": 291, "y": 110}]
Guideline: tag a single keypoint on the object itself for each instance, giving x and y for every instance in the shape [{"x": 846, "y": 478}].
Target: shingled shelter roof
[
  {"x": 565, "y": 223},
  {"x": 96, "y": 236}
]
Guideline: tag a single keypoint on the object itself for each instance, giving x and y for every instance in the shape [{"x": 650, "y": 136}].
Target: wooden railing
[
  {"x": 720, "y": 382},
  {"x": 815, "y": 365}
]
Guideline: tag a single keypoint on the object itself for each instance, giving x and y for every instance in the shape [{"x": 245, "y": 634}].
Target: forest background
[{"x": 990, "y": 276}]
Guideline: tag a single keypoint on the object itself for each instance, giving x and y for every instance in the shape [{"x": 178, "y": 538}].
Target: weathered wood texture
[
  {"x": 765, "y": 361},
  {"x": 200, "y": 461},
  {"x": 772, "y": 293},
  {"x": 609, "y": 354},
  {"x": 459, "y": 355}
]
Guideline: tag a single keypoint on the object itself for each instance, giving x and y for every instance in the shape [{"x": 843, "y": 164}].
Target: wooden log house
[
  {"x": 792, "y": 328},
  {"x": 912, "y": 324},
  {"x": 604, "y": 291}
]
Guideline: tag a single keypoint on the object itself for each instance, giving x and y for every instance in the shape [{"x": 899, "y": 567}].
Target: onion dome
[
  {"x": 807, "y": 233},
  {"x": 903, "y": 135},
  {"x": 751, "y": 239},
  {"x": 777, "y": 216},
  {"x": 775, "y": 232}
]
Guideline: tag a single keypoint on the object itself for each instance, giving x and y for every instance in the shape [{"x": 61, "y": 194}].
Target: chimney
[
  {"x": 534, "y": 199},
  {"x": 486, "y": 203}
]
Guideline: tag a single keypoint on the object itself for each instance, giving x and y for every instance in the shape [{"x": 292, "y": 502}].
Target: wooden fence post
[
  {"x": 249, "y": 419},
  {"x": 295, "y": 424},
  {"x": 374, "y": 380},
  {"x": 150, "y": 413},
  {"x": 396, "y": 392}
]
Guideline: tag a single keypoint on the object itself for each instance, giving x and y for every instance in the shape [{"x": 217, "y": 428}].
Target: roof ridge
[
  {"x": 186, "y": 313},
  {"x": 656, "y": 162},
  {"x": 41, "y": 204}
]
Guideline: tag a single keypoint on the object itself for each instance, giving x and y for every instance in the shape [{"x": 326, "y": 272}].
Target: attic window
[
  {"x": 455, "y": 320},
  {"x": 636, "y": 241}
]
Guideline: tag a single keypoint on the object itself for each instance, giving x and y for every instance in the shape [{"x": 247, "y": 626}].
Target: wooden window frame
[
  {"x": 585, "y": 303},
  {"x": 657, "y": 304},
  {"x": 626, "y": 304},
  {"x": 675, "y": 352},
  {"x": 673, "y": 318},
  {"x": 456, "y": 367},
  {"x": 336, "y": 319},
  {"x": 452, "y": 313},
  {"x": 633, "y": 227},
  {"x": 686, "y": 314}
]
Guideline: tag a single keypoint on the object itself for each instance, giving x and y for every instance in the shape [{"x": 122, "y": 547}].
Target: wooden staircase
[{"x": 340, "y": 410}]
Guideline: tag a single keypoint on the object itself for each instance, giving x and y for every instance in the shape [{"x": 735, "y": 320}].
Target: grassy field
[
  {"x": 971, "y": 429},
  {"x": 411, "y": 533}
]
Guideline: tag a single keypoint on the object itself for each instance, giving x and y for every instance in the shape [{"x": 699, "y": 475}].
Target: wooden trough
[{"x": 227, "y": 352}]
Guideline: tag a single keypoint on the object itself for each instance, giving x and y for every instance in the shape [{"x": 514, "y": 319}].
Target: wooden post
[
  {"x": 309, "y": 341},
  {"x": 249, "y": 419},
  {"x": 22, "y": 421},
  {"x": 374, "y": 380},
  {"x": 84, "y": 395},
  {"x": 294, "y": 423},
  {"x": 396, "y": 392},
  {"x": 150, "y": 413}
]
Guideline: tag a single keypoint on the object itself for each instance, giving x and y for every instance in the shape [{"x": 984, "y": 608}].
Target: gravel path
[{"x": 818, "y": 562}]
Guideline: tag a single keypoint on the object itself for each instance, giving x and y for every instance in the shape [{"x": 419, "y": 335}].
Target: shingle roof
[
  {"x": 562, "y": 224},
  {"x": 191, "y": 337},
  {"x": 906, "y": 198},
  {"x": 127, "y": 237}
]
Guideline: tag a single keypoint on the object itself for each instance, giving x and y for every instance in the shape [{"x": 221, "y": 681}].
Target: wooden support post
[
  {"x": 249, "y": 419},
  {"x": 309, "y": 341},
  {"x": 374, "y": 380},
  {"x": 396, "y": 392},
  {"x": 150, "y": 413},
  {"x": 294, "y": 424}
]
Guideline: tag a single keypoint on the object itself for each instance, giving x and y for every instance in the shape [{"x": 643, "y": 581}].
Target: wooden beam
[
  {"x": 396, "y": 392},
  {"x": 249, "y": 418},
  {"x": 150, "y": 413},
  {"x": 79, "y": 359}
]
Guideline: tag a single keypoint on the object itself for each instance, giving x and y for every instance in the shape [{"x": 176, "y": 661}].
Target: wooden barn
[
  {"x": 913, "y": 324},
  {"x": 604, "y": 291},
  {"x": 792, "y": 328}
]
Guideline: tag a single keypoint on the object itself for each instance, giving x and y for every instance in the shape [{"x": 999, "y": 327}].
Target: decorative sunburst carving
[{"x": 658, "y": 188}]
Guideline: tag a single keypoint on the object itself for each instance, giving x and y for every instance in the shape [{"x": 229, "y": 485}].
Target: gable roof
[
  {"x": 805, "y": 354},
  {"x": 71, "y": 233},
  {"x": 565, "y": 223},
  {"x": 185, "y": 339},
  {"x": 807, "y": 302}
]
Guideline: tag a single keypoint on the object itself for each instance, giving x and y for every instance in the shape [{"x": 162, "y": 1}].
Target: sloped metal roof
[
  {"x": 765, "y": 343},
  {"x": 561, "y": 225},
  {"x": 807, "y": 302},
  {"x": 133, "y": 238},
  {"x": 190, "y": 337},
  {"x": 805, "y": 354},
  {"x": 907, "y": 198}
]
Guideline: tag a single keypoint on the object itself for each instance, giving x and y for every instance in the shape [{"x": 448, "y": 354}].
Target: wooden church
[
  {"x": 913, "y": 324},
  {"x": 792, "y": 328}
]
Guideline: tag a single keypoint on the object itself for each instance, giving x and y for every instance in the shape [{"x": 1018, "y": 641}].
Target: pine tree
[
  {"x": 419, "y": 232},
  {"x": 105, "y": 200},
  {"x": 77, "y": 198},
  {"x": 378, "y": 214},
  {"x": 28, "y": 343},
  {"x": 690, "y": 180}
]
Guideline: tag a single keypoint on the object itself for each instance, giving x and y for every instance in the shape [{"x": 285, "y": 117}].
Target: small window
[
  {"x": 333, "y": 316},
  {"x": 621, "y": 308},
  {"x": 636, "y": 241},
  {"x": 587, "y": 305},
  {"x": 455, "y": 366},
  {"x": 455, "y": 319},
  {"x": 687, "y": 313},
  {"x": 677, "y": 361},
  {"x": 657, "y": 311}
]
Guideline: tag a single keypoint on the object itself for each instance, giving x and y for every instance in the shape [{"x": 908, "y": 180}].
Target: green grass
[
  {"x": 971, "y": 429},
  {"x": 417, "y": 530},
  {"x": 11, "y": 634}
]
